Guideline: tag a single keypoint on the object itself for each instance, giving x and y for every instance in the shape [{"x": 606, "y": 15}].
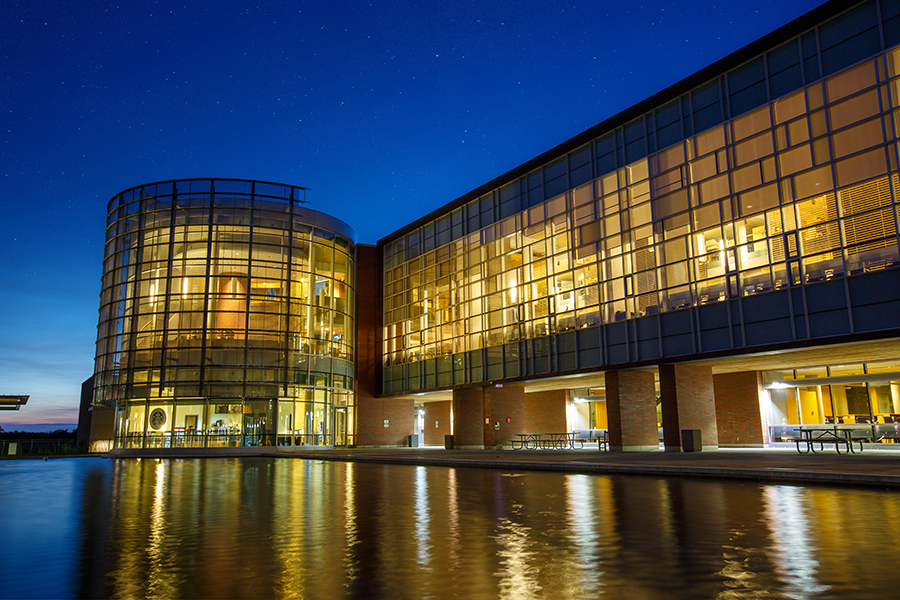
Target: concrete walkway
[{"x": 872, "y": 467}]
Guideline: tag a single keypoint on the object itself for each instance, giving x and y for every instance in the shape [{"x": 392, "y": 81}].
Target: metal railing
[
  {"x": 201, "y": 440},
  {"x": 34, "y": 446}
]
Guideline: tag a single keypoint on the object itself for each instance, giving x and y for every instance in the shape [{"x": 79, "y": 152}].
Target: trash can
[
  {"x": 414, "y": 441},
  {"x": 690, "y": 440},
  {"x": 448, "y": 442}
]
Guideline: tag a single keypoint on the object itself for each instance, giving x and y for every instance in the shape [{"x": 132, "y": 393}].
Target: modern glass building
[
  {"x": 226, "y": 317},
  {"x": 748, "y": 208},
  {"x": 721, "y": 257}
]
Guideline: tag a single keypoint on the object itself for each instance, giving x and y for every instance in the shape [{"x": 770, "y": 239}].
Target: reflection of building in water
[
  {"x": 721, "y": 257},
  {"x": 326, "y": 529}
]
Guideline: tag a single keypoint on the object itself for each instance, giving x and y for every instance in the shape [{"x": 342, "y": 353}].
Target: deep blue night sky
[{"x": 386, "y": 110}]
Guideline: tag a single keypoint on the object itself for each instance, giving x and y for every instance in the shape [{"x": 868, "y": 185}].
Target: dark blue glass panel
[
  {"x": 707, "y": 117},
  {"x": 668, "y": 114},
  {"x": 853, "y": 50},
  {"x": 784, "y": 82},
  {"x": 784, "y": 57},
  {"x": 746, "y": 76},
  {"x": 848, "y": 25},
  {"x": 748, "y": 98}
]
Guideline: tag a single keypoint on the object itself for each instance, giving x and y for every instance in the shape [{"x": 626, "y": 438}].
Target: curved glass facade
[{"x": 226, "y": 317}]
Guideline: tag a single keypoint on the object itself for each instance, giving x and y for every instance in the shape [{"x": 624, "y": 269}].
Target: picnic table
[
  {"x": 821, "y": 434},
  {"x": 546, "y": 441},
  {"x": 528, "y": 441}
]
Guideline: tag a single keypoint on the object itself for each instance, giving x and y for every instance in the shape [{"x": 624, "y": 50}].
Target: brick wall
[
  {"x": 738, "y": 413},
  {"x": 371, "y": 415},
  {"x": 371, "y": 411},
  {"x": 631, "y": 410},
  {"x": 507, "y": 404},
  {"x": 436, "y": 412},
  {"x": 688, "y": 402},
  {"x": 508, "y": 410},
  {"x": 545, "y": 412},
  {"x": 468, "y": 417}
]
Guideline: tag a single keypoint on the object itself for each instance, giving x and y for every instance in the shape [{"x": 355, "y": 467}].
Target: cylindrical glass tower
[{"x": 226, "y": 317}]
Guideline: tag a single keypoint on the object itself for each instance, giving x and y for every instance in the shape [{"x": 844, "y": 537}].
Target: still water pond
[{"x": 288, "y": 528}]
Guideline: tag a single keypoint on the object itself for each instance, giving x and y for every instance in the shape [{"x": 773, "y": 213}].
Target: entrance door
[{"x": 340, "y": 427}]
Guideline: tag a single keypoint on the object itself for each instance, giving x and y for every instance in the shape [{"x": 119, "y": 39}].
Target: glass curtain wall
[
  {"x": 798, "y": 191},
  {"x": 866, "y": 394},
  {"x": 225, "y": 305}
]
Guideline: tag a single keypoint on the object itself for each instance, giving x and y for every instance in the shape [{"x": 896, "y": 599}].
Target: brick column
[
  {"x": 508, "y": 408},
  {"x": 631, "y": 411},
  {"x": 688, "y": 402},
  {"x": 372, "y": 411},
  {"x": 437, "y": 413},
  {"x": 739, "y": 416},
  {"x": 470, "y": 410}
]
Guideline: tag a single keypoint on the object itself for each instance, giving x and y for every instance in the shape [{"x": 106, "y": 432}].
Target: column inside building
[
  {"x": 631, "y": 411},
  {"x": 688, "y": 405}
]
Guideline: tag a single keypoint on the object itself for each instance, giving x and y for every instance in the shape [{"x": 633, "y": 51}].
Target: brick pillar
[
  {"x": 739, "y": 416},
  {"x": 688, "y": 402},
  {"x": 371, "y": 411},
  {"x": 508, "y": 410},
  {"x": 631, "y": 411},
  {"x": 469, "y": 413},
  {"x": 437, "y": 422}
]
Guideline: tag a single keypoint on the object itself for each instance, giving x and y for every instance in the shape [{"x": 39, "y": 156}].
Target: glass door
[{"x": 340, "y": 427}]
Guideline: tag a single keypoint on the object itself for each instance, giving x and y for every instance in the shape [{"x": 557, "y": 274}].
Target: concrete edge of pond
[
  {"x": 872, "y": 468},
  {"x": 483, "y": 459}
]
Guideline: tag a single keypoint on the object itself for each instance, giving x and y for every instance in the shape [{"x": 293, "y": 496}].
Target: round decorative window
[{"x": 157, "y": 418}]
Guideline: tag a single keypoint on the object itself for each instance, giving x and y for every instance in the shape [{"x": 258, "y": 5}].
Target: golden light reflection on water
[
  {"x": 584, "y": 516},
  {"x": 290, "y": 528},
  {"x": 517, "y": 573},
  {"x": 351, "y": 538},
  {"x": 422, "y": 526},
  {"x": 454, "y": 545},
  {"x": 794, "y": 553},
  {"x": 159, "y": 580}
]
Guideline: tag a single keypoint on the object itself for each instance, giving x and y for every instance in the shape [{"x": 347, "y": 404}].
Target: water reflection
[
  {"x": 794, "y": 552},
  {"x": 422, "y": 526},
  {"x": 228, "y": 528}
]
